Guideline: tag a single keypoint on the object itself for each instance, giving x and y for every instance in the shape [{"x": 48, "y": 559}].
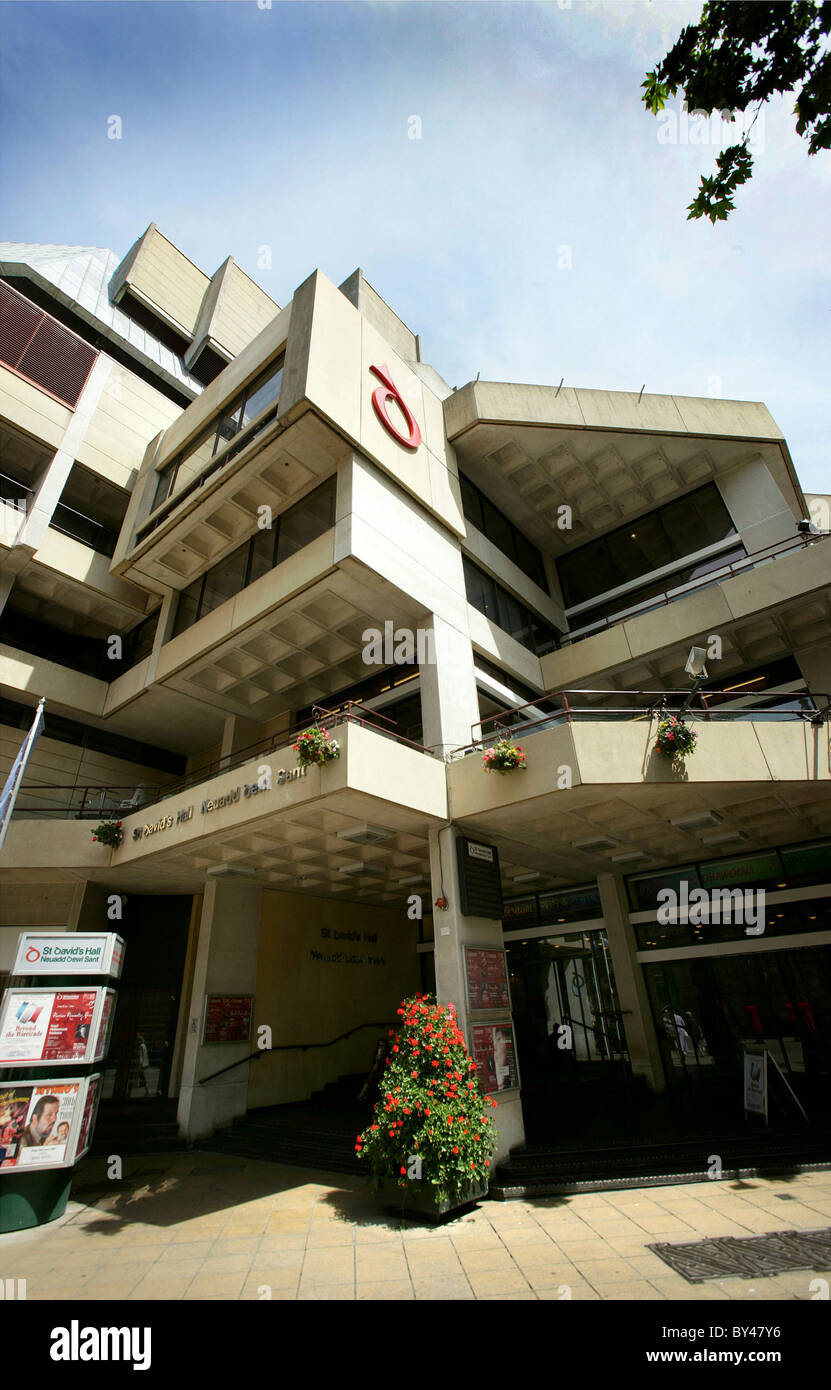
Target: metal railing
[
  {"x": 83, "y": 528},
  {"x": 672, "y": 595},
  {"x": 557, "y": 707},
  {"x": 292, "y": 1047},
  {"x": 114, "y": 801}
]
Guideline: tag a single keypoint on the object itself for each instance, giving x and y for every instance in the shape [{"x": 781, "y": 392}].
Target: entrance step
[
  {"x": 318, "y": 1133},
  {"x": 137, "y": 1127},
  {"x": 543, "y": 1172}
]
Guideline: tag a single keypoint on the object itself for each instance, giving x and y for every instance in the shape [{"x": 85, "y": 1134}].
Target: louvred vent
[{"x": 40, "y": 349}]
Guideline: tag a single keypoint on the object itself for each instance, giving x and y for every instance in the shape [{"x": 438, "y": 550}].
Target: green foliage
[
  {"x": 675, "y": 739},
  {"x": 315, "y": 746},
  {"x": 109, "y": 832},
  {"x": 737, "y": 57},
  {"x": 431, "y": 1106},
  {"x": 504, "y": 756}
]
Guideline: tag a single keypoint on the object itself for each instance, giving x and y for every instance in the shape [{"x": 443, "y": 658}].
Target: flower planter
[
  {"x": 315, "y": 748},
  {"x": 505, "y": 756},
  {"x": 675, "y": 740},
  {"x": 421, "y": 1199}
]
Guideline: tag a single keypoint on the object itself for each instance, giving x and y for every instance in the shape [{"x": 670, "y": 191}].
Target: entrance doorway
[
  {"x": 155, "y": 930},
  {"x": 566, "y": 1012},
  {"x": 708, "y": 1011}
]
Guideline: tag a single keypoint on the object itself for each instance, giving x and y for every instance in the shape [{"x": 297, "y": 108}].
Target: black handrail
[{"x": 290, "y": 1047}]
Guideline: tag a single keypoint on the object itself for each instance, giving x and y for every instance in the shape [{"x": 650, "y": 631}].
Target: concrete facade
[{"x": 181, "y": 721}]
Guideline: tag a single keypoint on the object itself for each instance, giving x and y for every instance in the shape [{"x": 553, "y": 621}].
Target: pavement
[{"x": 204, "y": 1226}]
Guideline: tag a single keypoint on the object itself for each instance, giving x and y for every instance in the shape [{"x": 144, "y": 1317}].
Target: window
[
  {"x": 290, "y": 532},
  {"x": 501, "y": 532},
  {"x": 507, "y": 612},
  {"x": 237, "y": 415},
  {"x": 651, "y": 542}
]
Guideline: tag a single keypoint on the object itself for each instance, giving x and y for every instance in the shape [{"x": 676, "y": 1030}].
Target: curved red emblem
[{"x": 381, "y": 396}]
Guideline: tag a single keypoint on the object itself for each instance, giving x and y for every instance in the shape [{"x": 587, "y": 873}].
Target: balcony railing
[
  {"x": 114, "y": 801},
  {"x": 558, "y": 707},
  {"x": 672, "y": 595},
  {"x": 84, "y": 529}
]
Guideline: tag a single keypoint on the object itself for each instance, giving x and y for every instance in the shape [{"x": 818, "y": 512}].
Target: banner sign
[
  {"x": 487, "y": 979},
  {"x": 228, "y": 1018},
  {"x": 44, "y": 1026},
  {"x": 40, "y": 1122},
  {"x": 494, "y": 1053},
  {"x": 69, "y": 953}
]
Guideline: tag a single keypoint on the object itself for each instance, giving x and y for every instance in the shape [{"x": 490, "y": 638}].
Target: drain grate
[{"x": 751, "y": 1256}]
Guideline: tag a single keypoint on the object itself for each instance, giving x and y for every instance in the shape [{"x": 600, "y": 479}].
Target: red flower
[
  {"x": 455, "y": 1149},
  {"x": 404, "y": 1171}
]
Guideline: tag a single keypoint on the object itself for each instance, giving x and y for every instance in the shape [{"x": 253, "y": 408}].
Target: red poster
[
  {"x": 228, "y": 1018},
  {"x": 69, "y": 1027},
  {"x": 495, "y": 1057},
  {"x": 43, "y": 1025},
  {"x": 487, "y": 979}
]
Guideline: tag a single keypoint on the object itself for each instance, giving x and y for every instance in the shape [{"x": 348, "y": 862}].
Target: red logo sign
[
  {"x": 32, "y": 954},
  {"x": 381, "y": 397}
]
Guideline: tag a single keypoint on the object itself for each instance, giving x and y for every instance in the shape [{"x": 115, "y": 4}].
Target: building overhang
[{"x": 609, "y": 456}]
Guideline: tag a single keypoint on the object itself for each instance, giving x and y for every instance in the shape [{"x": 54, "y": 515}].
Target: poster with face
[
  {"x": 494, "y": 1053},
  {"x": 36, "y": 1123},
  {"x": 89, "y": 1117}
]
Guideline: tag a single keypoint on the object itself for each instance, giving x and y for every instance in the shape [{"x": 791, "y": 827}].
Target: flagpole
[{"x": 15, "y": 777}]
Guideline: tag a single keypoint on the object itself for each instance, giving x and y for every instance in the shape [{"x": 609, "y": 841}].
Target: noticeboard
[
  {"x": 480, "y": 885},
  {"x": 486, "y": 977},
  {"x": 55, "y": 1027},
  {"x": 228, "y": 1018}
]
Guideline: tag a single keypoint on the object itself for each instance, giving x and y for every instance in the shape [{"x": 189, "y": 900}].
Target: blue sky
[{"x": 536, "y": 230}]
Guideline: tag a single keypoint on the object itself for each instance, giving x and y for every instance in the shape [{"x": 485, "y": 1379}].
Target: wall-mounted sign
[
  {"x": 494, "y": 1053},
  {"x": 381, "y": 397},
  {"x": 40, "y": 1122},
  {"x": 487, "y": 979},
  {"x": 228, "y": 1018},
  {"x": 480, "y": 884},
  {"x": 40, "y": 1027},
  {"x": 69, "y": 953},
  {"x": 216, "y": 803}
]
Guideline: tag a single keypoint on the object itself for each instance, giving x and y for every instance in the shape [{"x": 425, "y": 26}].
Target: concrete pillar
[
  {"x": 641, "y": 1037},
  {"x": 226, "y": 963},
  {"x": 449, "y": 701},
  {"x": 55, "y": 478},
  {"x": 238, "y": 733},
  {"x": 453, "y": 931}
]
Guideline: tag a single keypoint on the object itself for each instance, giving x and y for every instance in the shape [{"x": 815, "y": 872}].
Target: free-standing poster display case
[{"x": 55, "y": 1027}]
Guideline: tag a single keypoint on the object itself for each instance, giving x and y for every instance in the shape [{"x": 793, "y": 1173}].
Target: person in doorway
[
  {"x": 374, "y": 1074},
  {"x": 675, "y": 1030},
  {"x": 143, "y": 1057}
]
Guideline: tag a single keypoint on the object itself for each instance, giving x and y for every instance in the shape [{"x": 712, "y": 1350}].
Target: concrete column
[
  {"x": 238, "y": 733},
  {"x": 226, "y": 963},
  {"x": 449, "y": 702},
  {"x": 55, "y": 478},
  {"x": 453, "y": 931},
  {"x": 641, "y": 1037}
]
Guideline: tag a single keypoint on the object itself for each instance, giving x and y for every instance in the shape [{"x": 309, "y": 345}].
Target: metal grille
[{"x": 41, "y": 349}]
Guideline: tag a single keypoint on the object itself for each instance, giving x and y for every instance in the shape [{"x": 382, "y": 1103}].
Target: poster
[
  {"x": 88, "y": 1118},
  {"x": 756, "y": 1083},
  {"x": 39, "y": 1026},
  {"x": 36, "y": 1120},
  {"x": 105, "y": 1025},
  {"x": 487, "y": 979},
  {"x": 228, "y": 1017},
  {"x": 69, "y": 953},
  {"x": 495, "y": 1056}
]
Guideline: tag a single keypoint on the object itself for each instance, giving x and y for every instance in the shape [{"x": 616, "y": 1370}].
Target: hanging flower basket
[
  {"x": 314, "y": 747},
  {"x": 504, "y": 756},
  {"x": 431, "y": 1140},
  {"x": 109, "y": 832},
  {"x": 675, "y": 739}
]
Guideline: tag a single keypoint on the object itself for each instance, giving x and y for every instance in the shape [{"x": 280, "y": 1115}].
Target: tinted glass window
[
  {"x": 187, "y": 609},
  {"x": 263, "y": 395},
  {"x": 305, "y": 522},
  {"x": 224, "y": 580},
  {"x": 262, "y": 552}
]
